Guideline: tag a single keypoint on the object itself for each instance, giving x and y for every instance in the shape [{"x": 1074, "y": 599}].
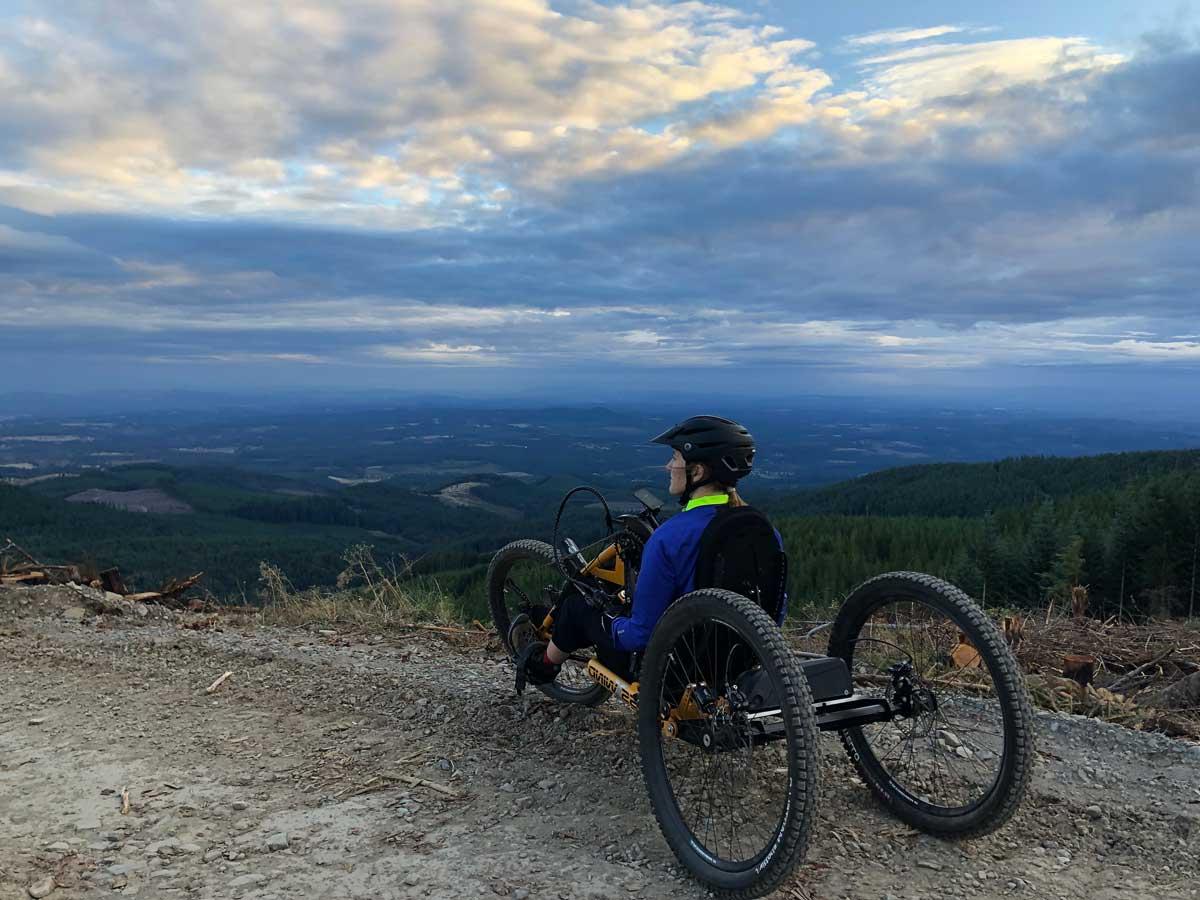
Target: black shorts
[{"x": 578, "y": 624}]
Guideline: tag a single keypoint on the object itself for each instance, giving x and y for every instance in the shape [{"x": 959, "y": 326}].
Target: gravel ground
[{"x": 288, "y": 781}]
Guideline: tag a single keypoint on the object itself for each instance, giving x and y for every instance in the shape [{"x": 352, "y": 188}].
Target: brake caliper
[{"x": 910, "y": 696}]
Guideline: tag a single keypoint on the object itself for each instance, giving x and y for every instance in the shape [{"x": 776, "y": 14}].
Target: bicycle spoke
[
  {"x": 731, "y": 798},
  {"x": 947, "y": 749}
]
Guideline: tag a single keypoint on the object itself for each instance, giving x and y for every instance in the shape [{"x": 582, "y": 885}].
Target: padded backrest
[{"x": 740, "y": 552}]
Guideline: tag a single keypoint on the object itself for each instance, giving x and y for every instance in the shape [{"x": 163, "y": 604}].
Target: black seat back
[{"x": 740, "y": 552}]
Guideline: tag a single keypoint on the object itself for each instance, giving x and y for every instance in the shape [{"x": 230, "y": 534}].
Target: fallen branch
[
  {"x": 10, "y": 544},
  {"x": 216, "y": 684},
  {"x": 440, "y": 629},
  {"x": 174, "y": 588},
  {"x": 169, "y": 591},
  {"x": 353, "y": 791},
  {"x": 31, "y": 577},
  {"x": 1129, "y": 677},
  {"x": 410, "y": 757},
  {"x": 816, "y": 629},
  {"x": 421, "y": 782}
]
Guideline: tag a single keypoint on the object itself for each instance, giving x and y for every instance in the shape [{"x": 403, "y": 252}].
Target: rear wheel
[
  {"x": 734, "y": 806},
  {"x": 957, "y": 757},
  {"x": 523, "y": 585}
]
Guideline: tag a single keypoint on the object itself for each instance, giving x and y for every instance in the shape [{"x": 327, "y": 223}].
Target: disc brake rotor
[{"x": 521, "y": 633}]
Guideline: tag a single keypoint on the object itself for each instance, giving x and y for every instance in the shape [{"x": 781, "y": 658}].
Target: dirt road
[{"x": 290, "y": 781}]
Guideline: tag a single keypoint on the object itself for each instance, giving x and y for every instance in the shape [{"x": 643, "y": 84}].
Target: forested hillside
[
  {"x": 149, "y": 548},
  {"x": 243, "y": 518},
  {"x": 1018, "y": 532},
  {"x": 973, "y": 489}
]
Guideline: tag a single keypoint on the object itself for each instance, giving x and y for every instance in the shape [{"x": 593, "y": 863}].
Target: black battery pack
[{"x": 828, "y": 678}]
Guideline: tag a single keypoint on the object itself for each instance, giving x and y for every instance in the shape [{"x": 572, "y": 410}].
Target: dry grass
[{"x": 367, "y": 595}]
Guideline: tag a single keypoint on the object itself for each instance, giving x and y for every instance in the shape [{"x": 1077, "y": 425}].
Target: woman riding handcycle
[{"x": 681, "y": 620}]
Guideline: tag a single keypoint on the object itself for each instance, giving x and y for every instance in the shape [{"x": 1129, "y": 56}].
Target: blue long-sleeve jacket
[{"x": 668, "y": 571}]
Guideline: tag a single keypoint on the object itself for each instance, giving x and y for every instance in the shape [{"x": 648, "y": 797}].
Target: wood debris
[
  {"x": 1079, "y": 601},
  {"x": 202, "y": 623},
  {"x": 31, "y": 571},
  {"x": 1130, "y": 678},
  {"x": 1080, "y": 668},
  {"x": 964, "y": 655},
  {"x": 169, "y": 592},
  {"x": 425, "y": 783},
  {"x": 1014, "y": 631},
  {"x": 1134, "y": 669},
  {"x": 212, "y": 688}
]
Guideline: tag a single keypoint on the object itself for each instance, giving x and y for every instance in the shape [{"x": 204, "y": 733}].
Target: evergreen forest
[{"x": 1018, "y": 533}]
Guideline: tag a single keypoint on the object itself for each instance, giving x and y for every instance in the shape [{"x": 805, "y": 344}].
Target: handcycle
[{"x": 917, "y": 681}]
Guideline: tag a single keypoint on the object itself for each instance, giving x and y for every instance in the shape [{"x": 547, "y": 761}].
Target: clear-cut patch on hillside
[
  {"x": 462, "y": 495},
  {"x": 147, "y": 500}
]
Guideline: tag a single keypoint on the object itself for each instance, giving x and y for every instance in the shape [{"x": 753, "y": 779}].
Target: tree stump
[{"x": 1079, "y": 668}]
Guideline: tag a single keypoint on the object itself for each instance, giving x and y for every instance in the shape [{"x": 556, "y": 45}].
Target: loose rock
[{"x": 278, "y": 841}]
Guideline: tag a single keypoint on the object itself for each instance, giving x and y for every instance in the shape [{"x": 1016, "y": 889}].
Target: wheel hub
[
  {"x": 707, "y": 719},
  {"x": 911, "y": 697}
]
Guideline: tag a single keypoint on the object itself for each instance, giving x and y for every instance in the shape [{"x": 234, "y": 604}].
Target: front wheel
[
  {"x": 728, "y": 743},
  {"x": 957, "y": 756},
  {"x": 523, "y": 585}
]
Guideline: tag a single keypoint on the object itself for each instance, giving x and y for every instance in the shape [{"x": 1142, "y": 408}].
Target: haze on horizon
[{"x": 575, "y": 197}]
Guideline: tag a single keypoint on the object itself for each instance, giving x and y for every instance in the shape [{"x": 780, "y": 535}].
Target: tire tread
[
  {"x": 528, "y": 548},
  {"x": 1015, "y": 780},
  {"x": 799, "y": 700}
]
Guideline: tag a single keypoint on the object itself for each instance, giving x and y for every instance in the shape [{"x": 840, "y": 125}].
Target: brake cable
[{"x": 583, "y": 586}]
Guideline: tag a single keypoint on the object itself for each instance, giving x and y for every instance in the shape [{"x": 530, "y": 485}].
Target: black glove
[{"x": 612, "y": 611}]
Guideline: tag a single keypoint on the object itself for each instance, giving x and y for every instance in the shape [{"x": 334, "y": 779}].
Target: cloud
[
  {"x": 405, "y": 112},
  {"x": 442, "y": 354},
  {"x": 238, "y": 358},
  {"x": 1159, "y": 349},
  {"x": 588, "y": 189},
  {"x": 930, "y": 71},
  {"x": 904, "y": 35}
]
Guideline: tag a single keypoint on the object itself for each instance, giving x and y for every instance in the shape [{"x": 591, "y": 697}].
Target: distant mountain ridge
[{"x": 973, "y": 489}]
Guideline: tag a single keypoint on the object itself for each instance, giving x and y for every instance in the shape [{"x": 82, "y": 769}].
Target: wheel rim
[
  {"x": 946, "y": 750},
  {"x": 732, "y": 796},
  {"x": 529, "y": 584}
]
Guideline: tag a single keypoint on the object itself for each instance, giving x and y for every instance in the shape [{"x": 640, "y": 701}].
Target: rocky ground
[{"x": 346, "y": 766}]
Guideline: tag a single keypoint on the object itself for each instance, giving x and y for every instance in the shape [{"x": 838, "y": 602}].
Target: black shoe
[
  {"x": 525, "y": 628},
  {"x": 532, "y": 667}
]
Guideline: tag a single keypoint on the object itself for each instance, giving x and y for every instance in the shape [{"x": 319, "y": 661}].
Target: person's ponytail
[{"x": 735, "y": 499}]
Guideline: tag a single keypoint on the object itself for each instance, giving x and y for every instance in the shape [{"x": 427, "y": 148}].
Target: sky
[{"x": 589, "y": 200}]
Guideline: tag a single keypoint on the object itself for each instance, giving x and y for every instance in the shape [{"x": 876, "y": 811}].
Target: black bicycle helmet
[{"x": 726, "y": 447}]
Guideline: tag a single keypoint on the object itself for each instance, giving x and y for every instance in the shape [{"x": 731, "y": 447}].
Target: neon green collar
[{"x": 710, "y": 500}]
